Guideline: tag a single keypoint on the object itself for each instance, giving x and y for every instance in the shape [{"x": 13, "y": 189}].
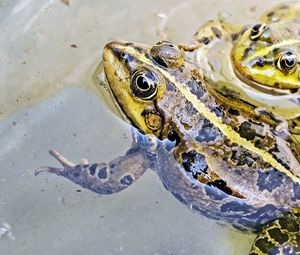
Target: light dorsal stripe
[{"x": 225, "y": 129}]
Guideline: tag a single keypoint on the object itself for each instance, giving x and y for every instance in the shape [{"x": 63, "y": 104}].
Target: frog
[
  {"x": 226, "y": 163},
  {"x": 257, "y": 63}
]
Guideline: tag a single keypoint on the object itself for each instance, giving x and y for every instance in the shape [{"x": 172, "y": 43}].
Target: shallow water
[{"x": 49, "y": 52}]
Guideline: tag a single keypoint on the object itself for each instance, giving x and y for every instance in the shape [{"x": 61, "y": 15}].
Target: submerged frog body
[
  {"x": 213, "y": 152},
  {"x": 258, "y": 63}
]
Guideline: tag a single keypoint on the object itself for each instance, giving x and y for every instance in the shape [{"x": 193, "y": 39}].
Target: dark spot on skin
[
  {"x": 218, "y": 111},
  {"x": 102, "y": 190},
  {"x": 280, "y": 161},
  {"x": 214, "y": 193},
  {"x": 147, "y": 55},
  {"x": 296, "y": 189},
  {"x": 92, "y": 169},
  {"x": 128, "y": 44},
  {"x": 180, "y": 68},
  {"x": 278, "y": 236},
  {"x": 208, "y": 132},
  {"x": 284, "y": 7},
  {"x": 77, "y": 171},
  {"x": 241, "y": 158},
  {"x": 258, "y": 144},
  {"x": 238, "y": 172},
  {"x": 76, "y": 174},
  {"x": 235, "y": 206},
  {"x": 264, "y": 245},
  {"x": 246, "y": 131},
  {"x": 196, "y": 88},
  {"x": 174, "y": 137},
  {"x": 217, "y": 32},
  {"x": 170, "y": 87},
  {"x": 221, "y": 185},
  {"x": 126, "y": 180},
  {"x": 205, "y": 40},
  {"x": 194, "y": 162},
  {"x": 270, "y": 14},
  {"x": 269, "y": 180},
  {"x": 290, "y": 225},
  {"x": 112, "y": 166},
  {"x": 132, "y": 150},
  {"x": 248, "y": 51},
  {"x": 102, "y": 174},
  {"x": 261, "y": 62},
  {"x": 233, "y": 112},
  {"x": 274, "y": 149},
  {"x": 190, "y": 108},
  {"x": 234, "y": 36}
]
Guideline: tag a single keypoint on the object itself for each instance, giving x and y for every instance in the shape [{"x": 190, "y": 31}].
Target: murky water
[{"x": 49, "y": 52}]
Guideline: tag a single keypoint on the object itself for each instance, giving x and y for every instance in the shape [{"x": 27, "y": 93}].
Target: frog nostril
[{"x": 123, "y": 55}]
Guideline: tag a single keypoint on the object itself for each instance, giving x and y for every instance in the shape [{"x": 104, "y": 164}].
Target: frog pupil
[
  {"x": 256, "y": 28},
  {"x": 289, "y": 61},
  {"x": 142, "y": 83}
]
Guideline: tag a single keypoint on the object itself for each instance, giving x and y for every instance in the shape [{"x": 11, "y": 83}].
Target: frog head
[
  {"x": 268, "y": 57},
  {"x": 134, "y": 74}
]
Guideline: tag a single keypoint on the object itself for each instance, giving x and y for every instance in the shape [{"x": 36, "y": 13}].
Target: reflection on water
[{"x": 37, "y": 214}]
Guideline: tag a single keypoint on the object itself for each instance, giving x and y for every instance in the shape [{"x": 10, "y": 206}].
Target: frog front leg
[
  {"x": 214, "y": 31},
  {"x": 102, "y": 178}
]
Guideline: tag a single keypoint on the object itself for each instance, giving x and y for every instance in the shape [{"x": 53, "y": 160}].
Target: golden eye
[
  {"x": 144, "y": 84},
  {"x": 257, "y": 30},
  {"x": 287, "y": 62}
]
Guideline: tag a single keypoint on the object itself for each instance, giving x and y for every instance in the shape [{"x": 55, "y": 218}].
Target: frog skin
[
  {"x": 257, "y": 63},
  {"x": 229, "y": 165}
]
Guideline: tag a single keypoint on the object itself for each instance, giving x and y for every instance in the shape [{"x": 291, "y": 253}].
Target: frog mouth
[{"x": 249, "y": 80}]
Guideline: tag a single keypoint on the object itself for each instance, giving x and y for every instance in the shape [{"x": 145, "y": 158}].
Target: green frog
[
  {"x": 258, "y": 63},
  {"x": 229, "y": 164}
]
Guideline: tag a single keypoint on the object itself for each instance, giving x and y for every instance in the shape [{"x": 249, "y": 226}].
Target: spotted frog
[
  {"x": 213, "y": 152},
  {"x": 227, "y": 164},
  {"x": 257, "y": 63}
]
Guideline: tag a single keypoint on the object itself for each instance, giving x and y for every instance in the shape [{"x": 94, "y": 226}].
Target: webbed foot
[
  {"x": 103, "y": 178},
  {"x": 65, "y": 163}
]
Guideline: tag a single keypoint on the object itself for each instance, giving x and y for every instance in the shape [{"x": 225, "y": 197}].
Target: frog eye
[
  {"x": 286, "y": 62},
  {"x": 167, "y": 54},
  {"x": 257, "y": 30},
  {"x": 144, "y": 84}
]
